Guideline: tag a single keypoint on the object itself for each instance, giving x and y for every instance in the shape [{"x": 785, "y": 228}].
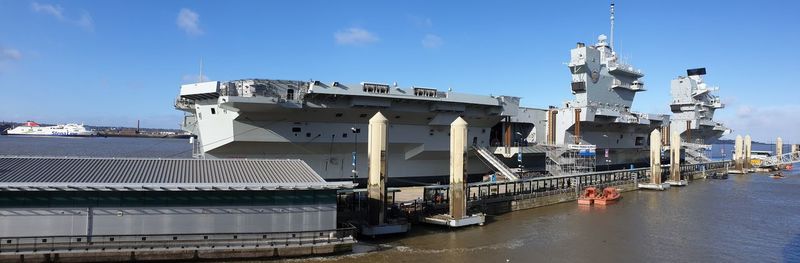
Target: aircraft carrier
[{"x": 324, "y": 123}]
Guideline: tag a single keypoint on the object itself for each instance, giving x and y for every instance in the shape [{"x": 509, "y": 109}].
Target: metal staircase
[
  {"x": 556, "y": 160},
  {"x": 570, "y": 159},
  {"x": 696, "y": 153},
  {"x": 495, "y": 163}
]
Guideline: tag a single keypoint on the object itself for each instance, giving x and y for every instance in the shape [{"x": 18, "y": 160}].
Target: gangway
[
  {"x": 696, "y": 153},
  {"x": 495, "y": 163},
  {"x": 774, "y": 161}
]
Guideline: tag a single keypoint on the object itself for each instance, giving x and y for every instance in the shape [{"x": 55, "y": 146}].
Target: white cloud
[
  {"x": 84, "y": 21},
  {"x": 53, "y": 10},
  {"x": 10, "y": 54},
  {"x": 432, "y": 41},
  {"x": 765, "y": 123},
  {"x": 193, "y": 78},
  {"x": 422, "y": 22},
  {"x": 189, "y": 21},
  {"x": 354, "y": 36}
]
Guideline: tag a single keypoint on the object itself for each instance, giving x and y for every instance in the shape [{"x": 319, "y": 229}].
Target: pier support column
[
  {"x": 794, "y": 148},
  {"x": 655, "y": 163},
  {"x": 457, "y": 216},
  {"x": 675, "y": 160},
  {"x": 655, "y": 157},
  {"x": 458, "y": 166},
  {"x": 779, "y": 149},
  {"x": 738, "y": 154},
  {"x": 748, "y": 148},
  {"x": 376, "y": 152}
]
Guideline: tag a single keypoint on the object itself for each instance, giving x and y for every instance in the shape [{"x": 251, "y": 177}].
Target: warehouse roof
[{"x": 127, "y": 174}]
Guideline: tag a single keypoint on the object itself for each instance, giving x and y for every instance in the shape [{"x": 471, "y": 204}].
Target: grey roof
[{"x": 124, "y": 174}]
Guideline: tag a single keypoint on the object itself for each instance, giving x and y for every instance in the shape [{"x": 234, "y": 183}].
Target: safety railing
[
  {"x": 477, "y": 193},
  {"x": 110, "y": 243}
]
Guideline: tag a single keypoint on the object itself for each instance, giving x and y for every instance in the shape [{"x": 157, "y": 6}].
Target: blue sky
[{"x": 113, "y": 62}]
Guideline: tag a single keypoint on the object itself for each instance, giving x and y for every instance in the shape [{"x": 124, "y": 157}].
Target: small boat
[
  {"x": 777, "y": 175},
  {"x": 610, "y": 195},
  {"x": 719, "y": 175},
  {"x": 789, "y": 167},
  {"x": 588, "y": 196}
]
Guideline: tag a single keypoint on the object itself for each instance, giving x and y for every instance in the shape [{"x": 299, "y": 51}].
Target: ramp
[
  {"x": 696, "y": 153},
  {"x": 774, "y": 161},
  {"x": 497, "y": 165}
]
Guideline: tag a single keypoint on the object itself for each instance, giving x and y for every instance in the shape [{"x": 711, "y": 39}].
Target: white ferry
[{"x": 33, "y": 128}]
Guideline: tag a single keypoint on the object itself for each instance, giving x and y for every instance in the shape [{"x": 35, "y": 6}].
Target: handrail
[{"x": 53, "y": 243}]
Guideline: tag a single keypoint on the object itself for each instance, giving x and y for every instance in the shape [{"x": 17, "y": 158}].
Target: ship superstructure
[
  {"x": 597, "y": 128},
  {"x": 693, "y": 106},
  {"x": 600, "y": 114}
]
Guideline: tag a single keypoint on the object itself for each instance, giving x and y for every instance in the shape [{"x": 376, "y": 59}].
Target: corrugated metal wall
[{"x": 172, "y": 220}]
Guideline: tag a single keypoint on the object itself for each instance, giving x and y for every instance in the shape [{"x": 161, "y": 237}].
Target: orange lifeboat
[
  {"x": 588, "y": 196},
  {"x": 789, "y": 167},
  {"x": 610, "y": 195}
]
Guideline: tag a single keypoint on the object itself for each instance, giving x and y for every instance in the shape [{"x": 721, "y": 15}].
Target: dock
[{"x": 204, "y": 209}]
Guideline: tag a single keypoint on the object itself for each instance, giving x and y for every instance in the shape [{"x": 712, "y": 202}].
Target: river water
[
  {"x": 95, "y": 147},
  {"x": 746, "y": 218}
]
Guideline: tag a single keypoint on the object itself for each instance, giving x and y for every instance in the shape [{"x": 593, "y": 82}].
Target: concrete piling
[
  {"x": 779, "y": 148},
  {"x": 675, "y": 156},
  {"x": 376, "y": 186},
  {"x": 794, "y": 148},
  {"x": 376, "y": 222},
  {"x": 675, "y": 160},
  {"x": 457, "y": 216},
  {"x": 458, "y": 166},
  {"x": 738, "y": 156},
  {"x": 655, "y": 163},
  {"x": 655, "y": 157},
  {"x": 748, "y": 148}
]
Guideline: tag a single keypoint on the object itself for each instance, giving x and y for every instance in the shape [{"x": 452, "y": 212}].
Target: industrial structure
[{"x": 85, "y": 202}]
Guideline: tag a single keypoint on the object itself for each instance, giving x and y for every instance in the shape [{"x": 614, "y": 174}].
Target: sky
[{"x": 115, "y": 62}]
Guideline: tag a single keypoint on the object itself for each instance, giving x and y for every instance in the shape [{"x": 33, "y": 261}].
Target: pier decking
[{"x": 499, "y": 197}]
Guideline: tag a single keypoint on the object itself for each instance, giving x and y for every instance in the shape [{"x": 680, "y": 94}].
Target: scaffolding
[{"x": 571, "y": 159}]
